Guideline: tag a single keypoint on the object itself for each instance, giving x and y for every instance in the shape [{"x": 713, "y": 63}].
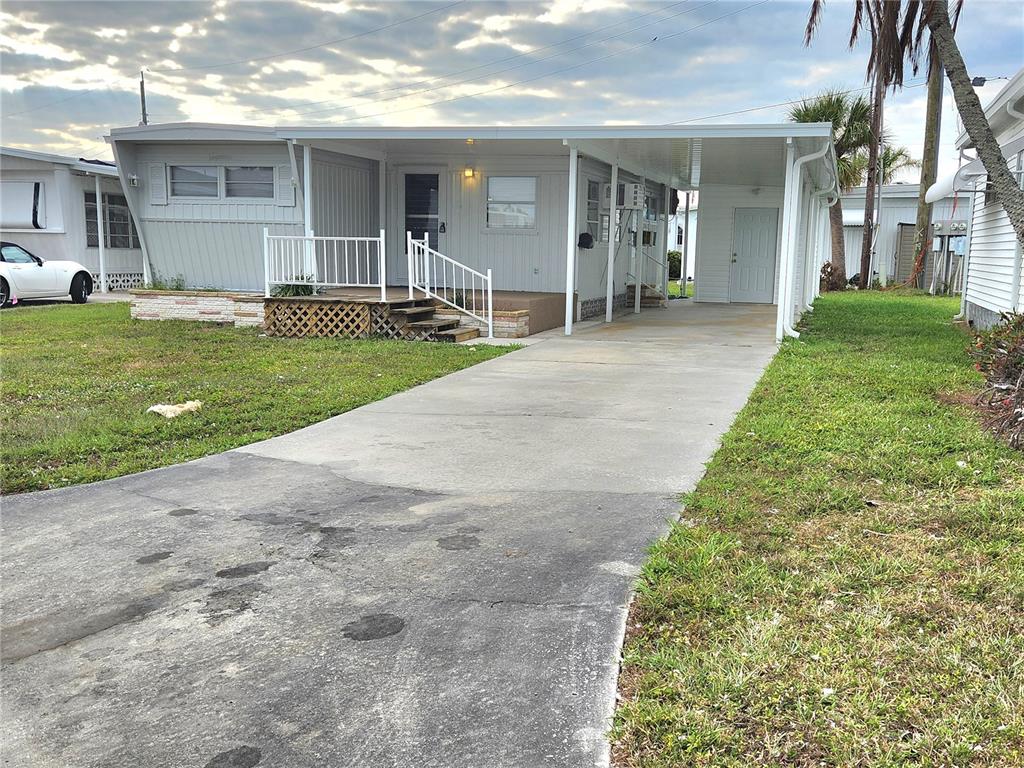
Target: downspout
[{"x": 793, "y": 194}]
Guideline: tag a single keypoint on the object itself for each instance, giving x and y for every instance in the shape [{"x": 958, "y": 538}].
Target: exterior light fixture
[
  {"x": 471, "y": 141},
  {"x": 469, "y": 172}
]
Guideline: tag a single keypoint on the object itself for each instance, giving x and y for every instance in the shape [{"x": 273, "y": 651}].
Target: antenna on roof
[{"x": 142, "y": 97}]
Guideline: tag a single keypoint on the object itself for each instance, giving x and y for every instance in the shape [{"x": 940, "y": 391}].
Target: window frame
[
  {"x": 219, "y": 181},
  {"x": 134, "y": 243},
  {"x": 598, "y": 227},
  {"x": 272, "y": 184},
  {"x": 488, "y": 228}
]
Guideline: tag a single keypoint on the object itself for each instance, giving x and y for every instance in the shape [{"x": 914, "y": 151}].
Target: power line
[
  {"x": 777, "y": 104},
  {"x": 529, "y": 63},
  {"x": 58, "y": 101},
  {"x": 531, "y": 52},
  {"x": 565, "y": 69},
  {"x": 250, "y": 60}
]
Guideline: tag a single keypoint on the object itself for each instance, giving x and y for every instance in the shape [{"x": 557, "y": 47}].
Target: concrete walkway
[{"x": 437, "y": 579}]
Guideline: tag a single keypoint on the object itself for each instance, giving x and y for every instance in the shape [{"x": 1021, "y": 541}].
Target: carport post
[
  {"x": 101, "y": 235},
  {"x": 786, "y": 250},
  {"x": 664, "y": 240},
  {"x": 610, "y": 276},
  {"x": 570, "y": 240}
]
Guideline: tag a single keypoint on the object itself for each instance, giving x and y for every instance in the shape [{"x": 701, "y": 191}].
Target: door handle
[{"x": 442, "y": 228}]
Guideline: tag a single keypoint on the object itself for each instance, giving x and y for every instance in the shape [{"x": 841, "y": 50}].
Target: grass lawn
[
  {"x": 846, "y": 584},
  {"x": 673, "y": 289},
  {"x": 77, "y": 380}
]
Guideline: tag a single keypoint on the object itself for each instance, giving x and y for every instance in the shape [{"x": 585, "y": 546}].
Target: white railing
[
  {"x": 657, "y": 273},
  {"x": 327, "y": 262},
  {"x": 450, "y": 282}
]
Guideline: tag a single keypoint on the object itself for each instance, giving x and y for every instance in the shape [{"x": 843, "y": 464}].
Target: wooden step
[
  {"x": 434, "y": 325},
  {"x": 461, "y": 333},
  {"x": 424, "y": 309}
]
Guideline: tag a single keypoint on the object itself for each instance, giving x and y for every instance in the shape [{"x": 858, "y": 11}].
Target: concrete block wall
[
  {"x": 201, "y": 306},
  {"x": 508, "y": 324}
]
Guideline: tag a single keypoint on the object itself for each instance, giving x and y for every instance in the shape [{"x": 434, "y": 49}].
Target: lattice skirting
[
  {"x": 119, "y": 281},
  {"x": 297, "y": 318}
]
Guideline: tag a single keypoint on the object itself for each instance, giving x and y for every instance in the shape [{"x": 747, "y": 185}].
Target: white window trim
[
  {"x": 272, "y": 184},
  {"x": 531, "y": 231},
  {"x": 601, "y": 215},
  {"x": 195, "y": 198}
]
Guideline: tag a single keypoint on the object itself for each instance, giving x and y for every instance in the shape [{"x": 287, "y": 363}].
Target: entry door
[
  {"x": 755, "y": 246},
  {"x": 425, "y": 208}
]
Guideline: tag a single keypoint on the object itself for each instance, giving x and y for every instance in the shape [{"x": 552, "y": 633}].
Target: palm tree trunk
[
  {"x": 872, "y": 181},
  {"x": 930, "y": 153},
  {"x": 1010, "y": 195},
  {"x": 835, "y": 220}
]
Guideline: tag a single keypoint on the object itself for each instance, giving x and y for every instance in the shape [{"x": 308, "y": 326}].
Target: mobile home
[{"x": 575, "y": 214}]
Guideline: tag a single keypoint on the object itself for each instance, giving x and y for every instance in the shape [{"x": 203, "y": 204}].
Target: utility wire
[
  {"x": 565, "y": 69},
  {"x": 777, "y": 104},
  {"x": 253, "y": 59}
]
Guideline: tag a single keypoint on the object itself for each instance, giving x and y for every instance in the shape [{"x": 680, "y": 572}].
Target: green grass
[
  {"x": 673, "y": 289},
  {"x": 846, "y": 584},
  {"x": 77, "y": 380}
]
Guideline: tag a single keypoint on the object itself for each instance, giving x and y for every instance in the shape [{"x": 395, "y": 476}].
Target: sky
[{"x": 69, "y": 71}]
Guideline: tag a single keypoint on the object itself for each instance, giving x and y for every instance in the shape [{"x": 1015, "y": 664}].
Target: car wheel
[
  {"x": 5, "y": 293},
  {"x": 79, "y": 289}
]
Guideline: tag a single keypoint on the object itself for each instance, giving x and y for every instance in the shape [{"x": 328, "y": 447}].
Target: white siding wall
[
  {"x": 530, "y": 260},
  {"x": 209, "y": 243},
  {"x": 65, "y": 233},
  {"x": 715, "y": 230},
  {"x": 344, "y": 195}
]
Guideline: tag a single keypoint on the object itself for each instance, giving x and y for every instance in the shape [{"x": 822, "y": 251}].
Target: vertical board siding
[
  {"x": 344, "y": 195},
  {"x": 715, "y": 230}
]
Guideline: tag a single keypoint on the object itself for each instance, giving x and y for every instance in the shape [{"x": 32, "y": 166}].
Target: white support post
[
  {"x": 309, "y": 267},
  {"x": 381, "y": 210},
  {"x": 664, "y": 240},
  {"x": 382, "y": 256},
  {"x": 570, "y": 240},
  {"x": 683, "y": 266},
  {"x": 101, "y": 235},
  {"x": 638, "y": 249},
  {"x": 490, "y": 304},
  {"x": 410, "y": 261},
  {"x": 266, "y": 262},
  {"x": 786, "y": 240},
  {"x": 610, "y": 276}
]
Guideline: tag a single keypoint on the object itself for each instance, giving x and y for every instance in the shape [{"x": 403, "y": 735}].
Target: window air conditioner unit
[{"x": 631, "y": 196}]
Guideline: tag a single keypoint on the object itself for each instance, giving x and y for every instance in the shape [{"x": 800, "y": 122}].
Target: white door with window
[{"x": 755, "y": 248}]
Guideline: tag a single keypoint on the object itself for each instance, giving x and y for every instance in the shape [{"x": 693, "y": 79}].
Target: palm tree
[
  {"x": 897, "y": 29},
  {"x": 851, "y": 130}
]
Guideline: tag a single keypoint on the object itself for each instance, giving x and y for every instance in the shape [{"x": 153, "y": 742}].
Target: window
[
  {"x": 248, "y": 181},
  {"x": 512, "y": 202},
  {"x": 194, "y": 181},
  {"x": 679, "y": 235},
  {"x": 118, "y": 227},
  {"x": 14, "y": 254},
  {"x": 596, "y": 224}
]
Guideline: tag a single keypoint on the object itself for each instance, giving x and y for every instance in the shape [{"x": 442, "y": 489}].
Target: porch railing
[
  {"x": 450, "y": 282},
  {"x": 327, "y": 262}
]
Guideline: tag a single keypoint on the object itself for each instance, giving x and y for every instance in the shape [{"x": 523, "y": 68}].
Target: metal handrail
[{"x": 427, "y": 265}]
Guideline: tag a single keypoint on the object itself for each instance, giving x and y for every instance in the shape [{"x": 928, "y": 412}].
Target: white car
[{"x": 24, "y": 276}]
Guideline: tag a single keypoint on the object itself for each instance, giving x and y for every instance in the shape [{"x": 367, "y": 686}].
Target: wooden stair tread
[
  {"x": 419, "y": 310},
  {"x": 435, "y": 324},
  {"x": 461, "y": 333}
]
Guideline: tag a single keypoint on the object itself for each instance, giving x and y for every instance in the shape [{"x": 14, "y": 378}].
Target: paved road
[{"x": 437, "y": 579}]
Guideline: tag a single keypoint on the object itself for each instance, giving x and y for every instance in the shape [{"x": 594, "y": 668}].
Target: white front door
[{"x": 755, "y": 248}]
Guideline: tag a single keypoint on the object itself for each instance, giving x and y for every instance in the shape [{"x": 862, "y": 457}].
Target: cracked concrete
[{"x": 437, "y": 579}]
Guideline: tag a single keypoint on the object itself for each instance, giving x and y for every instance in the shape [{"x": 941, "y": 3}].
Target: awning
[
  {"x": 966, "y": 175},
  {"x": 853, "y": 218}
]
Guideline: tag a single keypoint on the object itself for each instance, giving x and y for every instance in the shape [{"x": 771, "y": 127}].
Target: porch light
[{"x": 469, "y": 172}]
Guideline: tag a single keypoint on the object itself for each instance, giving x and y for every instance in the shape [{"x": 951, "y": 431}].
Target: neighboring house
[
  {"x": 518, "y": 201},
  {"x": 682, "y": 225},
  {"x": 995, "y": 276},
  {"x": 48, "y": 206},
  {"x": 894, "y": 254}
]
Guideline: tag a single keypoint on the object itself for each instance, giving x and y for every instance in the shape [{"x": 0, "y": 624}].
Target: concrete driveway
[{"x": 437, "y": 579}]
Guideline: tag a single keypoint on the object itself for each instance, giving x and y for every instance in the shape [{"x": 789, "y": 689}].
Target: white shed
[{"x": 48, "y": 206}]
